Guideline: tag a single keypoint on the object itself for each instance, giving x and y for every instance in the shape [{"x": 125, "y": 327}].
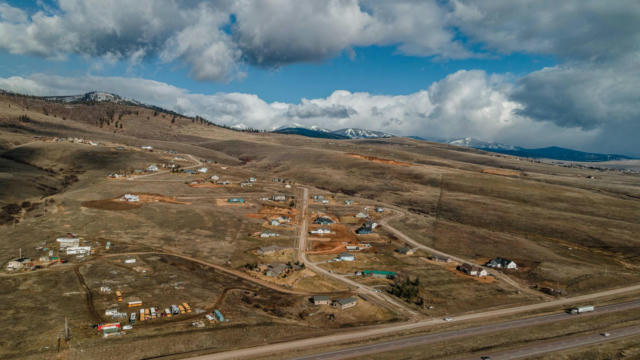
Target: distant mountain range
[
  {"x": 317, "y": 132},
  {"x": 552, "y": 152}
]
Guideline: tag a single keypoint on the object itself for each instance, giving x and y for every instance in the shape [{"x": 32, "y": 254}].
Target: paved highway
[
  {"x": 562, "y": 344},
  {"x": 383, "y": 330},
  {"x": 457, "y": 334}
]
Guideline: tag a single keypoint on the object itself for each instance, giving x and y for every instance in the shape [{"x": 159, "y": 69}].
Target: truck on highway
[{"x": 582, "y": 309}]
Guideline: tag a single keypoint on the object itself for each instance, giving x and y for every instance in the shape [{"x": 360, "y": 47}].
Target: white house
[
  {"x": 78, "y": 250},
  {"x": 268, "y": 234},
  {"x": 501, "y": 263},
  {"x": 152, "y": 168},
  {"x": 320, "y": 231},
  {"x": 130, "y": 198},
  {"x": 66, "y": 242},
  {"x": 203, "y": 170},
  {"x": 346, "y": 257},
  {"x": 146, "y": 147},
  {"x": 362, "y": 215}
]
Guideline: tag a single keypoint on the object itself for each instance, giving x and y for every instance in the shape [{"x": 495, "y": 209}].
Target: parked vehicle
[{"x": 582, "y": 309}]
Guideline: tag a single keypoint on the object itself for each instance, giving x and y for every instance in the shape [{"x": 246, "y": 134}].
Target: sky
[{"x": 531, "y": 73}]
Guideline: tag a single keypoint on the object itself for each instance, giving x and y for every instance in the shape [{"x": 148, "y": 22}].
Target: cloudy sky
[{"x": 530, "y": 73}]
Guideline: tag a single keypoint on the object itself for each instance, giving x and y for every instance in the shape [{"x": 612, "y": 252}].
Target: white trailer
[{"x": 582, "y": 309}]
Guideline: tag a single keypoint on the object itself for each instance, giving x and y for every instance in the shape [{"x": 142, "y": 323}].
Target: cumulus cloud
[{"x": 202, "y": 35}]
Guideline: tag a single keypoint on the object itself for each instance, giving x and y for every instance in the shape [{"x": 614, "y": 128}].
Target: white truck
[{"x": 582, "y": 309}]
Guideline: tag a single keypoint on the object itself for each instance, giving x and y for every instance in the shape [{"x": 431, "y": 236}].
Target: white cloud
[{"x": 466, "y": 103}]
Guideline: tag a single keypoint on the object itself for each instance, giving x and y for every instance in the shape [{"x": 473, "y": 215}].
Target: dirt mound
[{"x": 379, "y": 160}]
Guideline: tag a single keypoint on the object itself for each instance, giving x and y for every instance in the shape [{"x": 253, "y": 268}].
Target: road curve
[
  {"x": 431, "y": 250},
  {"x": 357, "y": 287}
]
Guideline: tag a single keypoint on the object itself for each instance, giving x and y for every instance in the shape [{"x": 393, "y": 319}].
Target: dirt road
[
  {"x": 370, "y": 292},
  {"x": 439, "y": 253}
]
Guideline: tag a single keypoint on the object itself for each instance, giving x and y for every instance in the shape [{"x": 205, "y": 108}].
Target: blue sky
[
  {"x": 527, "y": 73},
  {"x": 373, "y": 69}
]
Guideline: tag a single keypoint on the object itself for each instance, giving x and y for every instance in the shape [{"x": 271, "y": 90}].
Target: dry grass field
[{"x": 567, "y": 228}]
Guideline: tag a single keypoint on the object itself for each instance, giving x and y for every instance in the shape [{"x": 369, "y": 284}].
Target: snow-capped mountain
[
  {"x": 300, "y": 126},
  {"x": 348, "y": 133},
  {"x": 361, "y": 133},
  {"x": 479, "y": 144},
  {"x": 93, "y": 97}
]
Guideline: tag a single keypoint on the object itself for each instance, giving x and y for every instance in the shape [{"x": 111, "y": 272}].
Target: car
[
  {"x": 447, "y": 319},
  {"x": 605, "y": 334}
]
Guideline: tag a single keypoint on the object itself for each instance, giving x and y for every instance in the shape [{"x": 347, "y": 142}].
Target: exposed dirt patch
[
  {"x": 379, "y": 160},
  {"x": 116, "y": 204}
]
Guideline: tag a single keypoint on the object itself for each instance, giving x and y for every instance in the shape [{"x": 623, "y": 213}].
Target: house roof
[
  {"x": 348, "y": 300},
  {"x": 320, "y": 298}
]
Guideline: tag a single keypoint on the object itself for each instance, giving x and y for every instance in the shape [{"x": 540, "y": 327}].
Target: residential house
[
  {"x": 275, "y": 222},
  {"x": 345, "y": 303},
  {"x": 362, "y": 215},
  {"x": 279, "y": 197},
  {"x": 146, "y": 147},
  {"x": 472, "y": 270},
  {"x": 321, "y": 300},
  {"x": 320, "y": 231},
  {"x": 379, "y": 210},
  {"x": 269, "y": 250},
  {"x": 268, "y": 234},
  {"x": 501, "y": 263},
  {"x": 405, "y": 251},
  {"x": 252, "y": 179},
  {"x": 152, "y": 168},
  {"x": 366, "y": 228},
  {"x": 65, "y": 242},
  {"x": 323, "y": 220},
  {"x": 276, "y": 269},
  {"x": 130, "y": 198},
  {"x": 78, "y": 250},
  {"x": 346, "y": 257},
  {"x": 203, "y": 170},
  {"x": 348, "y": 202},
  {"x": 379, "y": 274}
]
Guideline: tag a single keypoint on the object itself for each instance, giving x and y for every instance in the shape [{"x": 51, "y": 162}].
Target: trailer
[
  {"x": 186, "y": 307},
  {"x": 175, "y": 310},
  {"x": 135, "y": 303},
  {"x": 582, "y": 309},
  {"x": 218, "y": 315}
]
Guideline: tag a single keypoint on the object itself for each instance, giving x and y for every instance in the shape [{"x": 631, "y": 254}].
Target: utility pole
[{"x": 67, "y": 334}]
